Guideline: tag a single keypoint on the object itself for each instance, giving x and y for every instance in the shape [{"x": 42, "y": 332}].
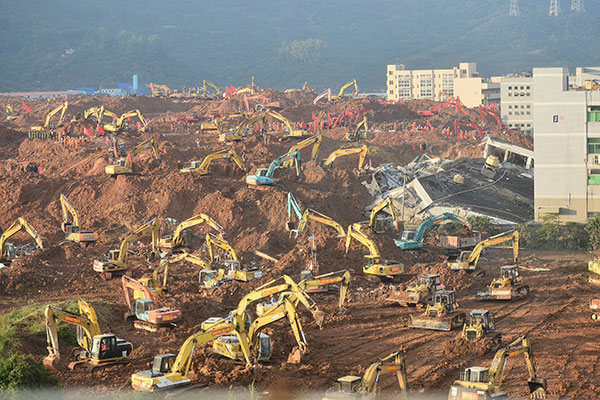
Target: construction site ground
[{"x": 555, "y": 315}]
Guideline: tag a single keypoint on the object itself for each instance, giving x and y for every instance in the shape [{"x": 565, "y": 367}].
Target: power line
[
  {"x": 514, "y": 8},
  {"x": 577, "y": 5},
  {"x": 554, "y": 8}
]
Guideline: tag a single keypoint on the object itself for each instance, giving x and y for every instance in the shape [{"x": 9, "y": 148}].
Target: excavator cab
[
  {"x": 408, "y": 236},
  {"x": 261, "y": 171},
  {"x": 432, "y": 281},
  {"x": 475, "y": 374},
  {"x": 229, "y": 346},
  {"x": 510, "y": 272},
  {"x": 347, "y": 384},
  {"x": 108, "y": 346},
  {"x": 162, "y": 364}
]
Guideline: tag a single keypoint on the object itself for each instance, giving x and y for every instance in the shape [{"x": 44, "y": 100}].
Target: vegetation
[
  {"x": 69, "y": 43},
  {"x": 481, "y": 223},
  {"x": 552, "y": 235},
  {"x": 592, "y": 228}
]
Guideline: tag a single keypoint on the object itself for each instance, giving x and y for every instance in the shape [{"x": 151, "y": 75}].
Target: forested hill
[{"x": 61, "y": 44}]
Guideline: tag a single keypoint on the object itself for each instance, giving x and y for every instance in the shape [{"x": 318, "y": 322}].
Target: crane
[
  {"x": 414, "y": 239},
  {"x": 486, "y": 383},
  {"x": 352, "y": 387},
  {"x": 7, "y": 250},
  {"x": 362, "y": 151},
  {"x": 144, "y": 311},
  {"x": 202, "y": 167},
  {"x": 264, "y": 176},
  {"x": 72, "y": 231},
  {"x": 180, "y": 237},
  {"x": 117, "y": 260},
  {"x": 346, "y": 86},
  {"x": 98, "y": 350},
  {"x": 373, "y": 264},
  {"x": 467, "y": 260},
  {"x": 125, "y": 165},
  {"x": 62, "y": 109},
  {"x": 377, "y": 225},
  {"x": 288, "y": 131}
]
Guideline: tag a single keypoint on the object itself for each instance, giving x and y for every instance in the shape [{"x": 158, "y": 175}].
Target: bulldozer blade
[
  {"x": 435, "y": 324},
  {"x": 594, "y": 279},
  {"x": 537, "y": 388},
  {"x": 295, "y": 356}
]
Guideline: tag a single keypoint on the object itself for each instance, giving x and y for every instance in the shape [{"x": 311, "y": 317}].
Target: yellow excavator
[
  {"x": 239, "y": 132},
  {"x": 288, "y": 131},
  {"x": 362, "y": 151},
  {"x": 373, "y": 264},
  {"x": 356, "y": 135},
  {"x": 260, "y": 343},
  {"x": 98, "y": 350},
  {"x": 98, "y": 113},
  {"x": 231, "y": 266},
  {"x": 508, "y": 286},
  {"x": 181, "y": 236},
  {"x": 159, "y": 90},
  {"x": 352, "y": 387},
  {"x": 314, "y": 140},
  {"x": 154, "y": 283},
  {"x": 202, "y": 167},
  {"x": 62, "y": 109},
  {"x": 121, "y": 123},
  {"x": 124, "y": 166},
  {"x": 71, "y": 230},
  {"x": 378, "y": 224},
  {"x": 7, "y": 250},
  {"x": 343, "y": 89},
  {"x": 116, "y": 261},
  {"x": 594, "y": 268},
  {"x": 206, "y": 84},
  {"x": 171, "y": 371},
  {"x": 303, "y": 218},
  {"x": 305, "y": 88},
  {"x": 467, "y": 260},
  {"x": 486, "y": 383}
]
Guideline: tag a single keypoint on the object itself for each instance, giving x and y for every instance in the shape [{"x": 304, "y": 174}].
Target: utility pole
[
  {"x": 514, "y": 8},
  {"x": 578, "y": 6},
  {"x": 554, "y": 8}
]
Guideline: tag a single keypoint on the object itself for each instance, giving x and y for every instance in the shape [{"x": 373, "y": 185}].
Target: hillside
[{"x": 72, "y": 44}]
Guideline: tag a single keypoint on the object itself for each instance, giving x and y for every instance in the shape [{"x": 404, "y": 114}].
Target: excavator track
[{"x": 152, "y": 327}]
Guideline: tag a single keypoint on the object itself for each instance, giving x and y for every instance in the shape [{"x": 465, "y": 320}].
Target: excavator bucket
[
  {"x": 537, "y": 388},
  {"x": 295, "y": 356},
  {"x": 51, "y": 362},
  {"x": 319, "y": 317}
]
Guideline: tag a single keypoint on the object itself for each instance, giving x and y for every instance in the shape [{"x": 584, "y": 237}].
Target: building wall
[
  {"x": 516, "y": 103},
  {"x": 474, "y": 92},
  {"x": 565, "y": 174},
  {"x": 403, "y": 84}
]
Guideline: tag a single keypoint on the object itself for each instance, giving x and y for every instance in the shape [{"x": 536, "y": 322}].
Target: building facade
[
  {"x": 567, "y": 146},
  {"x": 431, "y": 84},
  {"x": 516, "y": 102},
  {"x": 474, "y": 92}
]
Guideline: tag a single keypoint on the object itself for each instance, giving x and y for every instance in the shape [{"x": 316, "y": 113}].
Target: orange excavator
[{"x": 458, "y": 124}]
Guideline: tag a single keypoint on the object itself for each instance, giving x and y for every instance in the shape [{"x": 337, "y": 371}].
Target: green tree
[{"x": 593, "y": 230}]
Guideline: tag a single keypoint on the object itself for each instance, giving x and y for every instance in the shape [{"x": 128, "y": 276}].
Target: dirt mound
[{"x": 460, "y": 346}]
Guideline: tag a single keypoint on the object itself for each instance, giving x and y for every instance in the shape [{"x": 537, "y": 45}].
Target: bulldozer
[
  {"x": 441, "y": 315},
  {"x": 352, "y": 387},
  {"x": 595, "y": 306},
  {"x": 486, "y": 383},
  {"x": 481, "y": 324},
  {"x": 594, "y": 268},
  {"x": 507, "y": 287},
  {"x": 419, "y": 293}
]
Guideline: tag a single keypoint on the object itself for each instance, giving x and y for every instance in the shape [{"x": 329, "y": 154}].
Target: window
[
  {"x": 522, "y": 87},
  {"x": 510, "y": 88},
  {"x": 528, "y": 106},
  {"x": 529, "y": 125},
  {"x": 390, "y": 82},
  {"x": 593, "y": 145},
  {"x": 527, "y": 94},
  {"x": 510, "y": 113},
  {"x": 594, "y": 114},
  {"x": 390, "y": 72},
  {"x": 509, "y": 94},
  {"x": 528, "y": 87},
  {"x": 509, "y": 107},
  {"x": 391, "y": 92}
]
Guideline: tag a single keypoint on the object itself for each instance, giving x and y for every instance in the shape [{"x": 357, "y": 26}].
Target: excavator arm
[
  {"x": 177, "y": 239},
  {"x": 130, "y": 284},
  {"x": 311, "y": 214},
  {"x": 512, "y": 235},
  {"x": 392, "y": 363},
  {"x": 328, "y": 279},
  {"x": 212, "y": 241},
  {"x": 68, "y": 208},
  {"x": 228, "y": 154},
  {"x": 363, "y": 150},
  {"x": 315, "y": 141},
  {"x": 289, "y": 130},
  {"x": 346, "y": 86},
  {"x": 293, "y": 208},
  {"x": 354, "y": 232},
  {"x": 151, "y": 227},
  {"x": 388, "y": 202},
  {"x": 19, "y": 224},
  {"x": 62, "y": 108}
]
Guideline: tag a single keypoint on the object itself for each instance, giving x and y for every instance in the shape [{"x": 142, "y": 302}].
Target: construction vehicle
[
  {"x": 202, "y": 167},
  {"x": 144, "y": 312},
  {"x": 325, "y": 94},
  {"x": 47, "y": 126},
  {"x": 232, "y": 267},
  {"x": 458, "y": 124},
  {"x": 205, "y": 85},
  {"x": 376, "y": 224},
  {"x": 441, "y": 315},
  {"x": 98, "y": 349},
  {"x": 159, "y": 90},
  {"x": 116, "y": 261},
  {"x": 124, "y": 166},
  {"x": 507, "y": 287},
  {"x": 419, "y": 293},
  {"x": 7, "y": 250},
  {"x": 121, "y": 123},
  {"x": 594, "y": 268},
  {"x": 10, "y": 112},
  {"x": 595, "y": 306},
  {"x": 343, "y": 88},
  {"x": 153, "y": 283},
  {"x": 304, "y": 216},
  {"x": 71, "y": 230},
  {"x": 238, "y": 133},
  {"x": 486, "y": 383},
  {"x": 305, "y": 88},
  {"x": 352, "y": 387},
  {"x": 314, "y": 140},
  {"x": 181, "y": 236},
  {"x": 288, "y": 131},
  {"x": 414, "y": 239},
  {"x": 490, "y": 166},
  {"x": 362, "y": 151},
  {"x": 97, "y": 113},
  {"x": 373, "y": 264},
  {"x": 260, "y": 343},
  {"x": 357, "y": 134},
  {"x": 264, "y": 176},
  {"x": 468, "y": 260},
  {"x": 479, "y": 325}
]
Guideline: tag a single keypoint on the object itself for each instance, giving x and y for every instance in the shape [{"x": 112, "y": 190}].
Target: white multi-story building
[{"x": 516, "y": 102}]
